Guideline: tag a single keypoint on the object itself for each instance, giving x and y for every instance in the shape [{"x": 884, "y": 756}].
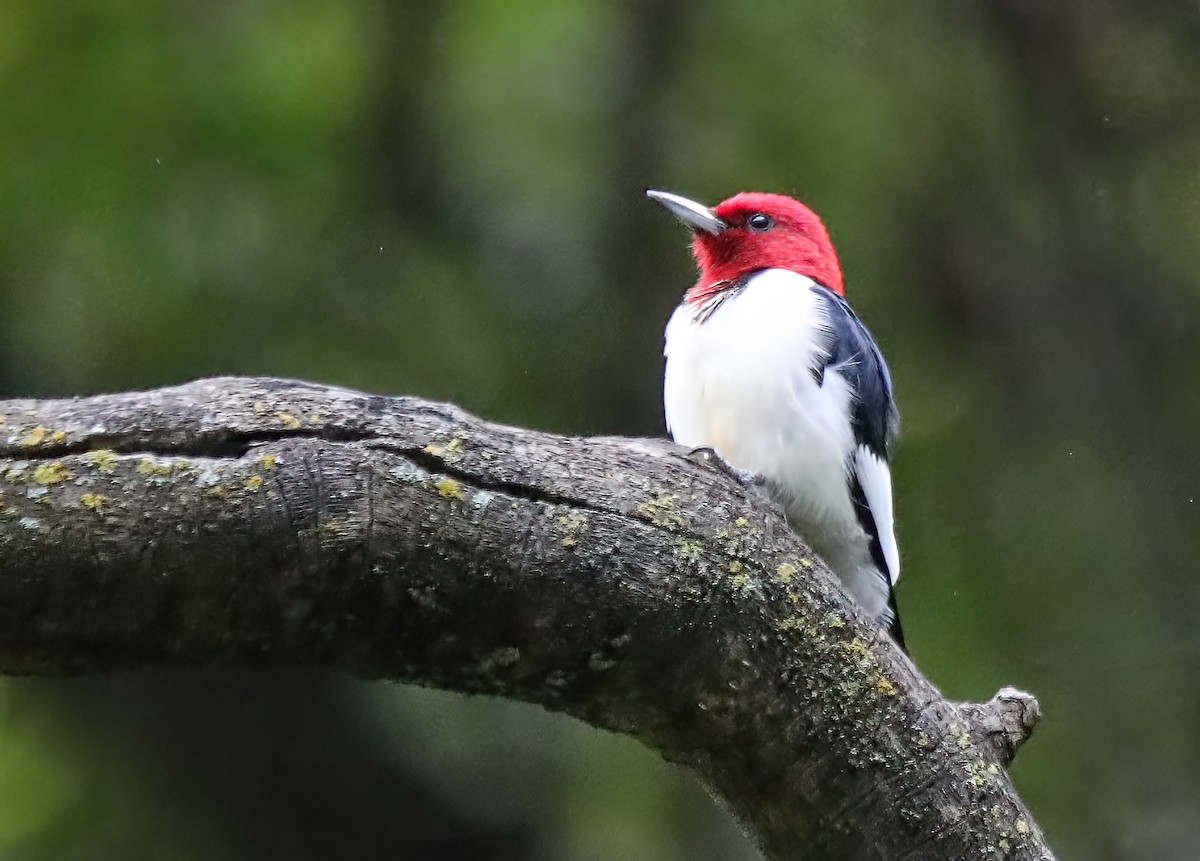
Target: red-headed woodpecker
[{"x": 770, "y": 368}]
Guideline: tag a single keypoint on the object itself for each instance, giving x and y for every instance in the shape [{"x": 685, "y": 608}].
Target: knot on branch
[{"x": 1002, "y": 724}]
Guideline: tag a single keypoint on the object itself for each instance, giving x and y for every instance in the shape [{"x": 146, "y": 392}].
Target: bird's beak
[{"x": 694, "y": 215}]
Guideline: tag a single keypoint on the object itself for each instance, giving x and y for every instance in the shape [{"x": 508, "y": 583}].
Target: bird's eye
[{"x": 759, "y": 222}]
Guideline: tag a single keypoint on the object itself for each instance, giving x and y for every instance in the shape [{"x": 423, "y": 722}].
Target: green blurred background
[{"x": 445, "y": 200}]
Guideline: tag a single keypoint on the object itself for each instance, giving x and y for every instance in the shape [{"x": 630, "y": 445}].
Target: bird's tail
[{"x": 891, "y": 620}]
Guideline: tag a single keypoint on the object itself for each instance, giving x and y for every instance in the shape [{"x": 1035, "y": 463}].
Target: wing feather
[
  {"x": 852, "y": 352},
  {"x": 875, "y": 479}
]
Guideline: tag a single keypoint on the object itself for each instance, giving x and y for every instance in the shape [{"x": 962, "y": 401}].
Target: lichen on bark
[{"x": 266, "y": 522}]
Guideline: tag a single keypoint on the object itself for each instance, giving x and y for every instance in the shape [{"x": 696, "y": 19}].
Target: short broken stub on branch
[{"x": 260, "y": 521}]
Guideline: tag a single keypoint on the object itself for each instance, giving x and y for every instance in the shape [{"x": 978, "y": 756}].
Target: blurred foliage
[{"x": 445, "y": 199}]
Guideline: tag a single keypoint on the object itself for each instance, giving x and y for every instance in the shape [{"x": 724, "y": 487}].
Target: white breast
[{"x": 741, "y": 382}]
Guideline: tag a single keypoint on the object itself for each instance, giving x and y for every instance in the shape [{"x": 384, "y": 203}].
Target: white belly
[{"x": 741, "y": 382}]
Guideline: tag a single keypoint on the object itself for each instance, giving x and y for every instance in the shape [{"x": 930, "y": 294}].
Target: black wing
[
  {"x": 853, "y": 354},
  {"x": 851, "y": 351}
]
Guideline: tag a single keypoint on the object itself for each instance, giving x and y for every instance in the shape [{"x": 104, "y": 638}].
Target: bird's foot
[{"x": 707, "y": 456}]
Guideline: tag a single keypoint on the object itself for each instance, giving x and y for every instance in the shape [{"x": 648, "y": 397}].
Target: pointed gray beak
[{"x": 694, "y": 215}]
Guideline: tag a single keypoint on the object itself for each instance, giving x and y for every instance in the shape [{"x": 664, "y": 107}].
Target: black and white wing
[{"x": 875, "y": 421}]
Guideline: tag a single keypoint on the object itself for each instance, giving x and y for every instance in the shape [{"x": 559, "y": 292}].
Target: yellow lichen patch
[
  {"x": 964, "y": 740},
  {"x": 660, "y": 511},
  {"x": 15, "y": 473},
  {"x": 856, "y": 647},
  {"x": 266, "y": 461},
  {"x": 790, "y": 623},
  {"x": 884, "y": 686},
  {"x": 922, "y": 740},
  {"x": 3, "y": 421},
  {"x": 51, "y": 473},
  {"x": 450, "y": 489},
  {"x": 254, "y": 482},
  {"x": 288, "y": 420},
  {"x": 806, "y": 563},
  {"x": 1003, "y": 844},
  {"x": 978, "y": 772},
  {"x": 740, "y": 581},
  {"x": 1022, "y": 826},
  {"x": 93, "y": 501},
  {"x": 736, "y": 567},
  {"x": 103, "y": 459},
  {"x": 785, "y": 572},
  {"x": 35, "y": 436},
  {"x": 686, "y": 549},
  {"x": 738, "y": 543},
  {"x": 451, "y": 452},
  {"x": 260, "y": 408},
  {"x": 572, "y": 526},
  {"x": 58, "y": 436},
  {"x": 148, "y": 466},
  {"x": 217, "y": 490}
]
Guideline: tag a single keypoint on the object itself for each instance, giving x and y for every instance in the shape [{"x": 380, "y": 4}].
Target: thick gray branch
[{"x": 258, "y": 521}]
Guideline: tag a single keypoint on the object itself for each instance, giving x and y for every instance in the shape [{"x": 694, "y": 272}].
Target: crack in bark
[
  {"x": 223, "y": 444},
  {"x": 518, "y": 490}
]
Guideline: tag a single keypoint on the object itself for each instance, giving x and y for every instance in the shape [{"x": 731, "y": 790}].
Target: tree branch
[{"x": 268, "y": 522}]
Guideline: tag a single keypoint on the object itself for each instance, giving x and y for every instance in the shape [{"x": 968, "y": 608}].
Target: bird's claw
[{"x": 707, "y": 456}]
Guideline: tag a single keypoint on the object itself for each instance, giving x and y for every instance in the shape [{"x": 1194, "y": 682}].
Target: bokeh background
[{"x": 445, "y": 199}]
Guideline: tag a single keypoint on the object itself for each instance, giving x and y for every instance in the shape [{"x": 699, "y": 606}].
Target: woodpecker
[{"x": 768, "y": 366}]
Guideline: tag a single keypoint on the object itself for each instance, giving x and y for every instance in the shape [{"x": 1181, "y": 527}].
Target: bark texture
[{"x": 270, "y": 522}]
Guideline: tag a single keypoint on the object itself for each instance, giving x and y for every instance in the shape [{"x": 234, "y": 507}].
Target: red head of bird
[{"x": 752, "y": 231}]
